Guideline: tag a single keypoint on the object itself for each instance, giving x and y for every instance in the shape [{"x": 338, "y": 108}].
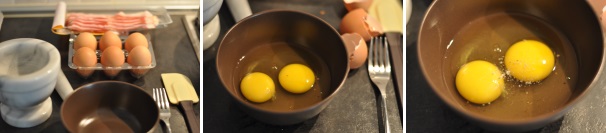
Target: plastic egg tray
[{"x": 98, "y": 66}]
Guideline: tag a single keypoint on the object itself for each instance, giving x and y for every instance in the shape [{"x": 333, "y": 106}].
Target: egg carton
[{"x": 98, "y": 66}]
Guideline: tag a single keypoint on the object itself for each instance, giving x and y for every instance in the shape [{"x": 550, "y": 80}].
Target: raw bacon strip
[{"x": 82, "y": 22}]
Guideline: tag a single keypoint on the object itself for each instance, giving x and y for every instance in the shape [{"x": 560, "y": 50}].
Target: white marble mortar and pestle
[{"x": 29, "y": 72}]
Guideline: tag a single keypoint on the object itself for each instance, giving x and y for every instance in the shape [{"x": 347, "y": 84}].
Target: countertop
[
  {"x": 173, "y": 52},
  {"x": 354, "y": 108}
]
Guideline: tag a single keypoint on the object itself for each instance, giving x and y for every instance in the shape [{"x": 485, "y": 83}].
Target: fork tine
[
  {"x": 380, "y": 51},
  {"x": 159, "y": 96},
  {"x": 154, "y": 94},
  {"x": 378, "y": 55},
  {"x": 386, "y": 48},
  {"x": 162, "y": 97},
  {"x": 374, "y": 53},
  {"x": 370, "y": 55},
  {"x": 167, "y": 105}
]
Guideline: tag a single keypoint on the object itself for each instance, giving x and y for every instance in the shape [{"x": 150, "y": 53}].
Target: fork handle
[
  {"x": 187, "y": 106},
  {"x": 385, "y": 116},
  {"x": 166, "y": 127}
]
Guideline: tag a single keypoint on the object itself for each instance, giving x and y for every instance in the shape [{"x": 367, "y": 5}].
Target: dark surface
[
  {"x": 173, "y": 53},
  {"x": 354, "y": 109},
  {"x": 396, "y": 51},
  {"x": 425, "y": 112}
]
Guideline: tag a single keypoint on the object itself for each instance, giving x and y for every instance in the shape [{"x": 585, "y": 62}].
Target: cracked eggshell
[
  {"x": 358, "y": 21},
  {"x": 357, "y": 49},
  {"x": 355, "y": 4}
]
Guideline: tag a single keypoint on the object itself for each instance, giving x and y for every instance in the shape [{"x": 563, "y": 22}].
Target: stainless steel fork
[
  {"x": 379, "y": 70},
  {"x": 162, "y": 100}
]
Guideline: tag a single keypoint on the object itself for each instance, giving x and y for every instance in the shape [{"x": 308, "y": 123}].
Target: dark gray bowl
[
  {"x": 575, "y": 20},
  {"x": 282, "y": 26},
  {"x": 109, "y": 106}
]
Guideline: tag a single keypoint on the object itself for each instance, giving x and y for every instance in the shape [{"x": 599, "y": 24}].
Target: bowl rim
[
  {"x": 296, "y": 111},
  {"x": 41, "y": 75},
  {"x": 157, "y": 120},
  {"x": 507, "y": 122}
]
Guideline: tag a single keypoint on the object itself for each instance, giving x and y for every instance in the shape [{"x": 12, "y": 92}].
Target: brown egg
[
  {"x": 109, "y": 39},
  {"x": 85, "y": 57},
  {"x": 112, "y": 57},
  {"x": 138, "y": 57},
  {"x": 85, "y": 39},
  {"x": 357, "y": 49},
  {"x": 134, "y": 40},
  {"x": 355, "y": 4},
  {"x": 358, "y": 21}
]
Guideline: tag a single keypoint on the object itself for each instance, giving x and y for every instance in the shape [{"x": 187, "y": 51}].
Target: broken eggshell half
[
  {"x": 358, "y": 21},
  {"x": 356, "y": 48}
]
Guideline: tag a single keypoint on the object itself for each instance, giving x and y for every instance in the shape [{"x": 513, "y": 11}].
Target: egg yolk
[
  {"x": 529, "y": 61},
  {"x": 480, "y": 82},
  {"x": 257, "y": 87},
  {"x": 296, "y": 78}
]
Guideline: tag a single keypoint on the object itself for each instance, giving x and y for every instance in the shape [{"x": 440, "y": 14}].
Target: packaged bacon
[{"x": 68, "y": 22}]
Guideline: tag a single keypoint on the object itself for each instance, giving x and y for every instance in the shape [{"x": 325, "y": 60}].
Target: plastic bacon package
[{"x": 99, "y": 21}]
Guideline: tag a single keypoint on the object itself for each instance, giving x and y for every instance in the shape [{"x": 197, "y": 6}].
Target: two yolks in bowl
[
  {"x": 527, "y": 61},
  {"x": 259, "y": 87}
]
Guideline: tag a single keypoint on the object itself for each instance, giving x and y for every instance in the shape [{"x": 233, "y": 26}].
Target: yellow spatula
[{"x": 180, "y": 91}]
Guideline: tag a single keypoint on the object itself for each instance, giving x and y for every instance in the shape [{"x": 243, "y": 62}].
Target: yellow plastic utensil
[
  {"x": 389, "y": 14},
  {"x": 180, "y": 91}
]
